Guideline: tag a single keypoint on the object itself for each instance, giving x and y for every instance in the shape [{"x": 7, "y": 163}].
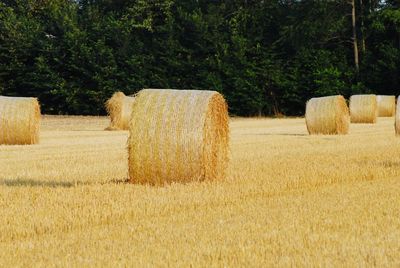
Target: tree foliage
[{"x": 266, "y": 57}]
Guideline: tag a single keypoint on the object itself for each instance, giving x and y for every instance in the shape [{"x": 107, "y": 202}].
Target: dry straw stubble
[
  {"x": 19, "y": 120},
  {"x": 119, "y": 107},
  {"x": 178, "y": 136},
  {"x": 327, "y": 115},
  {"x": 386, "y": 105},
  {"x": 363, "y": 108}
]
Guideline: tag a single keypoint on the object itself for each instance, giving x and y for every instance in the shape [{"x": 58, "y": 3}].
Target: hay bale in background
[
  {"x": 386, "y": 105},
  {"x": 19, "y": 120},
  {"x": 327, "y": 115},
  {"x": 363, "y": 109},
  {"x": 397, "y": 120},
  {"x": 178, "y": 135},
  {"x": 119, "y": 107}
]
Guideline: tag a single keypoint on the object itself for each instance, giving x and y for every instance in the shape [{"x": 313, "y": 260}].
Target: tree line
[{"x": 266, "y": 57}]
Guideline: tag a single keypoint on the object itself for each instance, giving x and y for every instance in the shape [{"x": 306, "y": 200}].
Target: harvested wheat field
[{"x": 289, "y": 199}]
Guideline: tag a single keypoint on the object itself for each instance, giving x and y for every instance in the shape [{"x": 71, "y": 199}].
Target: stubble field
[{"x": 289, "y": 199}]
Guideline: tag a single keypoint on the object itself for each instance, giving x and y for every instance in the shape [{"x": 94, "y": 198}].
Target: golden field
[{"x": 289, "y": 199}]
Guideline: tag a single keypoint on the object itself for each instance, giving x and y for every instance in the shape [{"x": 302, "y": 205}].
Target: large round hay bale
[
  {"x": 397, "y": 120},
  {"x": 327, "y": 115},
  {"x": 386, "y": 105},
  {"x": 119, "y": 107},
  {"x": 19, "y": 120},
  {"x": 178, "y": 136},
  {"x": 363, "y": 109}
]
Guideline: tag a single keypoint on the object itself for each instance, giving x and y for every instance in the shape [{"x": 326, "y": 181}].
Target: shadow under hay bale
[
  {"x": 386, "y": 105},
  {"x": 178, "y": 136},
  {"x": 37, "y": 183},
  {"x": 119, "y": 108},
  {"x": 363, "y": 109},
  {"x": 327, "y": 115},
  {"x": 19, "y": 120}
]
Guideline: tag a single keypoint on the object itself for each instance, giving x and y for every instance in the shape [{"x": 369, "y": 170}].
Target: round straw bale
[
  {"x": 178, "y": 136},
  {"x": 19, "y": 120},
  {"x": 386, "y": 105},
  {"x": 119, "y": 107},
  {"x": 397, "y": 120},
  {"x": 327, "y": 115},
  {"x": 363, "y": 109}
]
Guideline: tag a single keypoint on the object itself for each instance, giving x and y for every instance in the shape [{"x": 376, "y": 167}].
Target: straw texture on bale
[
  {"x": 19, "y": 120},
  {"x": 386, "y": 105},
  {"x": 397, "y": 120},
  {"x": 119, "y": 107},
  {"x": 327, "y": 115},
  {"x": 363, "y": 109},
  {"x": 178, "y": 136}
]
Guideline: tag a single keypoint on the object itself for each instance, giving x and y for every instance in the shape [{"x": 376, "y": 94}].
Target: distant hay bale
[
  {"x": 363, "y": 109},
  {"x": 119, "y": 107},
  {"x": 19, "y": 120},
  {"x": 386, "y": 105},
  {"x": 178, "y": 136},
  {"x": 327, "y": 115},
  {"x": 397, "y": 120}
]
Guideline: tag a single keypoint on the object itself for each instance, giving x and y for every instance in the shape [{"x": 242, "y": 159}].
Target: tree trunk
[
  {"x": 362, "y": 11},
  {"x": 353, "y": 14}
]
